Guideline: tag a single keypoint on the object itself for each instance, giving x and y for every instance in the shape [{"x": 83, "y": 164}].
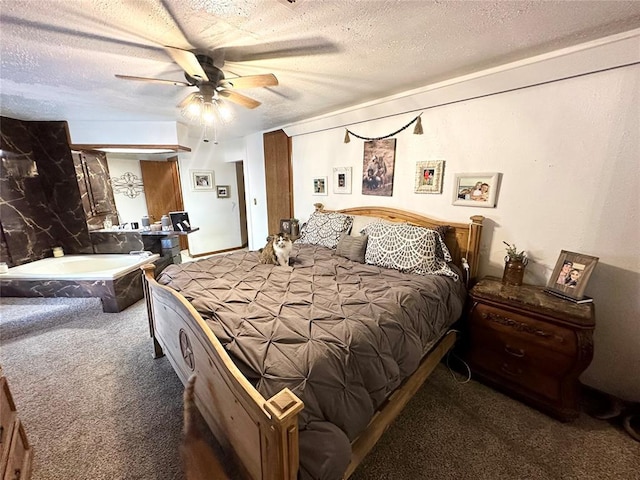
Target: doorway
[{"x": 162, "y": 190}]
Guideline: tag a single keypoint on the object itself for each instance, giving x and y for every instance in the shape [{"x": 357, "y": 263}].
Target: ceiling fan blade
[
  {"x": 188, "y": 62},
  {"x": 154, "y": 80},
  {"x": 279, "y": 49},
  {"x": 251, "y": 81},
  {"x": 186, "y": 100},
  {"x": 235, "y": 97}
]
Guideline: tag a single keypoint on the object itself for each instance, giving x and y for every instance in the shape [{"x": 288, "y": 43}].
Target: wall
[
  {"x": 39, "y": 210},
  {"x": 568, "y": 153},
  {"x": 217, "y": 218},
  {"x": 128, "y": 191}
]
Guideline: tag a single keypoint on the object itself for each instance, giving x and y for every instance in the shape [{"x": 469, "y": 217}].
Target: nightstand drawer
[
  {"x": 498, "y": 367},
  {"x": 531, "y": 331},
  {"x": 514, "y": 348}
]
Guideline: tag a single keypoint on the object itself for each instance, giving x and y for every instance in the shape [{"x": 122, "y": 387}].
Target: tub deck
[{"x": 117, "y": 287}]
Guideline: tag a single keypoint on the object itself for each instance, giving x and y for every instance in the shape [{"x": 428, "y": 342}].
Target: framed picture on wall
[
  {"x": 378, "y": 166},
  {"x": 342, "y": 180},
  {"x": 476, "y": 189},
  {"x": 571, "y": 275},
  {"x": 202, "y": 180},
  {"x": 429, "y": 176},
  {"x": 320, "y": 186},
  {"x": 222, "y": 191}
]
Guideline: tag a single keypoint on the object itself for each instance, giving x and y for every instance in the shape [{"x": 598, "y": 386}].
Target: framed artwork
[
  {"x": 320, "y": 186},
  {"x": 476, "y": 189},
  {"x": 202, "y": 180},
  {"x": 571, "y": 274},
  {"x": 342, "y": 180},
  {"x": 285, "y": 226},
  {"x": 429, "y": 176},
  {"x": 223, "y": 191},
  {"x": 378, "y": 167}
]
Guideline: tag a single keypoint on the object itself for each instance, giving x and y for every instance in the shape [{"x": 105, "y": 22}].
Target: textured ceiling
[{"x": 59, "y": 57}]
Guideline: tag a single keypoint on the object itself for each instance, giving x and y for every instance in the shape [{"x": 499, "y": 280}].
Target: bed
[{"x": 302, "y": 368}]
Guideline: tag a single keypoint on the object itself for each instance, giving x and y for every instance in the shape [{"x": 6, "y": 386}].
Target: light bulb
[{"x": 207, "y": 114}]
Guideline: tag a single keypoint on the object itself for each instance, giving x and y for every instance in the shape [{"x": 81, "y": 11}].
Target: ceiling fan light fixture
[
  {"x": 207, "y": 114},
  {"x": 225, "y": 113}
]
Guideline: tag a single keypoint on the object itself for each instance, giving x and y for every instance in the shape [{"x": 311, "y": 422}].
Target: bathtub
[{"x": 116, "y": 279}]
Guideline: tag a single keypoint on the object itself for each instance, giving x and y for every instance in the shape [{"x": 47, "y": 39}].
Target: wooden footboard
[{"x": 261, "y": 434}]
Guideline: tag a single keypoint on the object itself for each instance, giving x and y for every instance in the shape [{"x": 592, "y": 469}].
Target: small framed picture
[
  {"x": 202, "y": 180},
  {"x": 285, "y": 226},
  {"x": 476, "y": 189},
  {"x": 342, "y": 180},
  {"x": 429, "y": 176},
  {"x": 320, "y": 186},
  {"x": 222, "y": 191},
  {"x": 571, "y": 274}
]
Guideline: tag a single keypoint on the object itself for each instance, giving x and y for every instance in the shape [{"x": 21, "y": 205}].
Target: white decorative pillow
[
  {"x": 361, "y": 221},
  {"x": 407, "y": 248},
  {"x": 325, "y": 229}
]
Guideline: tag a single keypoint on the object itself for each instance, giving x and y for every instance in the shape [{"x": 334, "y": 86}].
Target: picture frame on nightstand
[{"x": 571, "y": 275}]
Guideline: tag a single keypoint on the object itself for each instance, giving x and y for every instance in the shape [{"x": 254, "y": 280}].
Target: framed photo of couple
[
  {"x": 476, "y": 189},
  {"x": 571, "y": 275}
]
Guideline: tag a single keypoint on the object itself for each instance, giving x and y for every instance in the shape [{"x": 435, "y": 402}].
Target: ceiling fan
[{"x": 200, "y": 71}]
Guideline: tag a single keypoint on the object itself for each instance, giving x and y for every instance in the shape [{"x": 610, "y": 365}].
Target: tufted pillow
[
  {"x": 352, "y": 248},
  {"x": 325, "y": 229},
  {"x": 407, "y": 248}
]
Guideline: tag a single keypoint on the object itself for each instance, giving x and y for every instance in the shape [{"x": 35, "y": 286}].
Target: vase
[{"x": 513, "y": 272}]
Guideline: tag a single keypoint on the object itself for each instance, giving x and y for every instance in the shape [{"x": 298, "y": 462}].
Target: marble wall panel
[
  {"x": 28, "y": 227},
  {"x": 116, "y": 242},
  {"x": 40, "y": 204},
  {"x": 59, "y": 182}
]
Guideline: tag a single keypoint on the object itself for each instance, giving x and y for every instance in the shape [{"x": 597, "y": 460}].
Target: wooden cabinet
[
  {"x": 96, "y": 191},
  {"x": 15, "y": 451},
  {"x": 529, "y": 344},
  {"x": 278, "y": 178}
]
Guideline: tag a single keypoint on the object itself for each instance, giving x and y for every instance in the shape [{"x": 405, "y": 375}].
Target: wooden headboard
[{"x": 462, "y": 239}]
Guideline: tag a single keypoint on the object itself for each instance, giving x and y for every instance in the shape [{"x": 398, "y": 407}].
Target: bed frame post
[
  {"x": 284, "y": 408},
  {"x": 475, "y": 231},
  {"x": 148, "y": 272}
]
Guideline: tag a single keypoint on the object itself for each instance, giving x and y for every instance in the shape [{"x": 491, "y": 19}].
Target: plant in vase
[{"x": 514, "y": 263}]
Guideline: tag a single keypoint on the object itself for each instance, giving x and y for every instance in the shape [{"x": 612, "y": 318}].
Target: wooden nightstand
[{"x": 529, "y": 344}]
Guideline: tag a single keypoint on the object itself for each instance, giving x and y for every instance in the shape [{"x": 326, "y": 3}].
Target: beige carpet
[{"x": 97, "y": 406}]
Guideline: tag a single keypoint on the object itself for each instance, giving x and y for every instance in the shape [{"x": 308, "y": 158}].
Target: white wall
[
  {"x": 568, "y": 153},
  {"x": 217, "y": 218},
  {"x": 129, "y": 209},
  {"x": 257, "y": 219},
  {"x": 124, "y": 133}
]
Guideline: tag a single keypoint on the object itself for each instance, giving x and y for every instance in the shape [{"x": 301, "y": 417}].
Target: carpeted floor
[{"x": 96, "y": 405}]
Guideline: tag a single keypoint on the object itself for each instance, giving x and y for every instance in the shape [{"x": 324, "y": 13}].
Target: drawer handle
[
  {"x": 16, "y": 474},
  {"x": 515, "y": 352},
  {"x": 515, "y": 373}
]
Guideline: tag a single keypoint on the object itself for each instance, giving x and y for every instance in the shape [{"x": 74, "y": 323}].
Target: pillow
[
  {"x": 360, "y": 222},
  {"x": 441, "y": 248},
  {"x": 406, "y": 248},
  {"x": 352, "y": 248},
  {"x": 325, "y": 229}
]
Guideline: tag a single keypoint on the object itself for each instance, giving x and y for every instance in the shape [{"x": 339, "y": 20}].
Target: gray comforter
[{"x": 340, "y": 334}]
